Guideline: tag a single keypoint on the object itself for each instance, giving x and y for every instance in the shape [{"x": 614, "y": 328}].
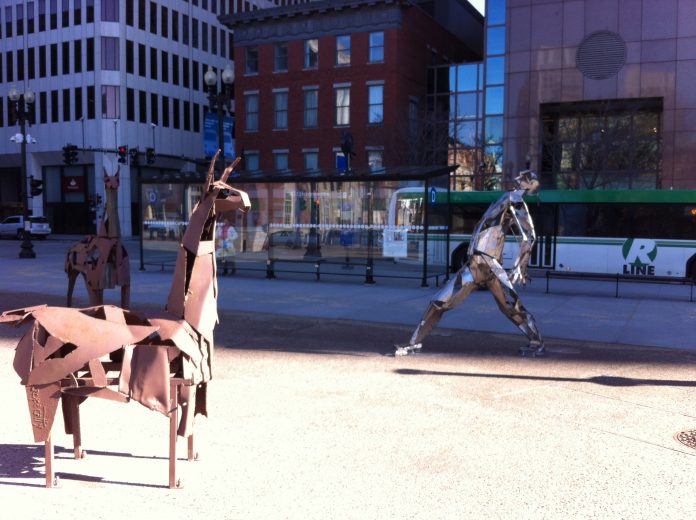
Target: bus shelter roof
[{"x": 392, "y": 173}]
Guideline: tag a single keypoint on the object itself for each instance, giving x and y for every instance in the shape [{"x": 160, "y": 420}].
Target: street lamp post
[
  {"x": 20, "y": 106},
  {"x": 219, "y": 100}
]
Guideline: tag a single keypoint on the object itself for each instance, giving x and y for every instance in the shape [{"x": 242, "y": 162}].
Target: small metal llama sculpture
[
  {"x": 163, "y": 361},
  {"x": 101, "y": 259}
]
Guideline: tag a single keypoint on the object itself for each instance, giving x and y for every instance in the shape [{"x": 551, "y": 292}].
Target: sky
[{"x": 479, "y": 4}]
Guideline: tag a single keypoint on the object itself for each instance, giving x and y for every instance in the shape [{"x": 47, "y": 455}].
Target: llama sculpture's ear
[
  {"x": 106, "y": 175},
  {"x": 211, "y": 172},
  {"x": 230, "y": 169}
]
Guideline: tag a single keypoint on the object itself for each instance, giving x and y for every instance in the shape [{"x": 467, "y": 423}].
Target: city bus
[{"x": 639, "y": 232}]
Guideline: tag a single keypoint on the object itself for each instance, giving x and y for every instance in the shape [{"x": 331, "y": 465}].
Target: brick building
[{"x": 306, "y": 74}]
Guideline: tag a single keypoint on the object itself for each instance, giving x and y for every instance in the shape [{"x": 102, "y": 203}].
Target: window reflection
[
  {"x": 494, "y": 100},
  {"x": 496, "y": 40}
]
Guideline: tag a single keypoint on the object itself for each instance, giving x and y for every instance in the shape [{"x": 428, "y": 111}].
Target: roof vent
[{"x": 601, "y": 55}]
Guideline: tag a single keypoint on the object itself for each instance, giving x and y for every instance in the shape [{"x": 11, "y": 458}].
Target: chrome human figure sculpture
[{"x": 509, "y": 214}]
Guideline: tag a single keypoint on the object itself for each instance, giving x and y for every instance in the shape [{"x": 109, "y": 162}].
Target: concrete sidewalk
[{"x": 645, "y": 315}]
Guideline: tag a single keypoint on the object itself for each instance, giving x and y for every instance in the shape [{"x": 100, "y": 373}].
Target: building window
[
  {"x": 165, "y": 111},
  {"x": 376, "y": 52},
  {"x": 91, "y": 103},
  {"x": 153, "y": 17},
  {"x": 280, "y": 57},
  {"x": 42, "y": 62},
  {"x": 186, "y": 72},
  {"x": 374, "y": 159},
  {"x": 175, "y": 69},
  {"x": 20, "y": 19},
  {"x": 194, "y": 33},
  {"x": 601, "y": 145},
  {"x": 164, "y": 22},
  {"x": 251, "y": 161},
  {"x": 31, "y": 60},
  {"x": 185, "y": 29},
  {"x": 130, "y": 57},
  {"x": 78, "y": 103},
  {"x": 141, "y": 14},
  {"x": 130, "y": 104},
  {"x": 311, "y": 54},
  {"x": 109, "y": 10},
  {"x": 130, "y": 13},
  {"x": 154, "y": 108},
  {"x": 65, "y": 15},
  {"x": 77, "y": 55},
  {"x": 65, "y": 51},
  {"x": 375, "y": 104},
  {"x": 213, "y": 39},
  {"x": 42, "y": 15},
  {"x": 251, "y": 111},
  {"x": 90, "y": 11},
  {"x": 66, "y": 104},
  {"x": 109, "y": 53},
  {"x": 311, "y": 160},
  {"x": 176, "y": 113},
  {"x": 54, "y": 106},
  {"x": 30, "y": 18},
  {"x": 280, "y": 160},
  {"x": 165, "y": 69},
  {"x": 280, "y": 110},
  {"x": 196, "y": 117},
  {"x": 142, "y": 106},
  {"x": 175, "y": 26},
  {"x": 311, "y": 108},
  {"x": 187, "y": 115},
  {"x": 204, "y": 37},
  {"x": 90, "y": 54},
  {"x": 53, "y": 15},
  {"x": 54, "y": 61},
  {"x": 142, "y": 60},
  {"x": 343, "y": 50},
  {"x": 342, "y": 97},
  {"x": 43, "y": 106},
  {"x": 252, "y": 60},
  {"x": 110, "y": 102},
  {"x": 153, "y": 63}
]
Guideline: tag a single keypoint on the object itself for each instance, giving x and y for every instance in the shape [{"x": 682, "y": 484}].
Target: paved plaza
[{"x": 310, "y": 419}]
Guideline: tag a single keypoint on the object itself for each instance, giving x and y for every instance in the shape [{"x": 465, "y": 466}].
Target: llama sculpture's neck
[
  {"x": 193, "y": 293},
  {"x": 110, "y": 227}
]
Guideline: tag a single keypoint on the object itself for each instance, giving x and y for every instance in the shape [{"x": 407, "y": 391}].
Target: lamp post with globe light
[
  {"x": 21, "y": 106},
  {"x": 219, "y": 99}
]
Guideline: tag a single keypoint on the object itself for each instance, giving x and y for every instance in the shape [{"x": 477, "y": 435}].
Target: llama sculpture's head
[
  {"x": 194, "y": 289},
  {"x": 111, "y": 182}
]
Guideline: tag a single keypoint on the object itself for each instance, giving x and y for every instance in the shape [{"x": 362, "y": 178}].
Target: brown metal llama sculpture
[
  {"x": 102, "y": 259},
  {"x": 164, "y": 361}
]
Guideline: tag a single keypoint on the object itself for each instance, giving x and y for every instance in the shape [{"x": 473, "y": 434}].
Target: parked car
[{"x": 14, "y": 227}]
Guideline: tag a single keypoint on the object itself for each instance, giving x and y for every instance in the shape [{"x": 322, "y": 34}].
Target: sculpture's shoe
[
  {"x": 405, "y": 349},
  {"x": 532, "y": 350}
]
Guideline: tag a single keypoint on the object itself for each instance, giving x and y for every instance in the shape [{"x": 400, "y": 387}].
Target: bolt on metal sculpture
[
  {"x": 163, "y": 361},
  {"x": 101, "y": 259},
  {"x": 509, "y": 214}
]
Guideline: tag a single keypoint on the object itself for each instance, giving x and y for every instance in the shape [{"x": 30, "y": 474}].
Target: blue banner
[{"x": 210, "y": 135}]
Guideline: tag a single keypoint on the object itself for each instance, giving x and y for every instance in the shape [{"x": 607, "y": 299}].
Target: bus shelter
[{"x": 386, "y": 223}]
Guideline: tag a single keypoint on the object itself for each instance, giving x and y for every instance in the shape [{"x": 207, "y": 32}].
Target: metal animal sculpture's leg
[
  {"x": 173, "y": 420},
  {"x": 48, "y": 454},
  {"x": 125, "y": 296},
  {"x": 451, "y": 295},
  {"x": 96, "y": 297},
  {"x": 72, "y": 277},
  {"x": 191, "y": 454},
  {"x": 509, "y": 302}
]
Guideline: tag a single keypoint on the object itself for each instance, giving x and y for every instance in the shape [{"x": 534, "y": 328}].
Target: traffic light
[
  {"x": 35, "y": 185},
  {"x": 123, "y": 154},
  {"x": 70, "y": 154},
  {"x": 133, "y": 152},
  {"x": 150, "y": 155}
]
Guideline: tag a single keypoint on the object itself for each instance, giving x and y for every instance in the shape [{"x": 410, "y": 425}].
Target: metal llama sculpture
[
  {"x": 101, "y": 259},
  {"x": 163, "y": 361}
]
